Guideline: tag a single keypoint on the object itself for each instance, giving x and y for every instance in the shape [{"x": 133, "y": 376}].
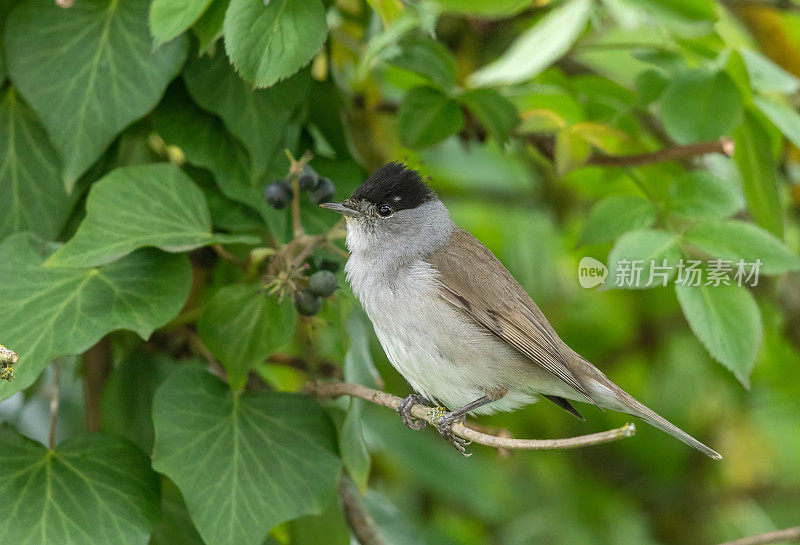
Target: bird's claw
[
  {"x": 444, "y": 425},
  {"x": 404, "y": 410}
]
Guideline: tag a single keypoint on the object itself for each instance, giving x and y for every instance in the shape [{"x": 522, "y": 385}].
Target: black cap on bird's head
[{"x": 393, "y": 185}]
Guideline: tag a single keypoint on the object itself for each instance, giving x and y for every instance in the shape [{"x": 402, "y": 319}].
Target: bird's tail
[{"x": 632, "y": 406}]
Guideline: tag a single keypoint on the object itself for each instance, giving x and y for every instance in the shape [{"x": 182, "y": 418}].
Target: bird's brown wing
[{"x": 474, "y": 280}]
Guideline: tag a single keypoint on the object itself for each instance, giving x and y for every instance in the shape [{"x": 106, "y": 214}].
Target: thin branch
[
  {"x": 777, "y": 536},
  {"x": 359, "y": 520},
  {"x": 422, "y": 412},
  {"x": 725, "y": 146},
  {"x": 54, "y": 402},
  {"x": 220, "y": 250}
]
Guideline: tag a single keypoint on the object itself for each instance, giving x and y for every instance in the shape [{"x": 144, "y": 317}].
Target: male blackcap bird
[{"x": 452, "y": 319}]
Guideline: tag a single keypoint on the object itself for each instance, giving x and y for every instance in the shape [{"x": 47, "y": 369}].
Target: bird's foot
[
  {"x": 444, "y": 423},
  {"x": 404, "y": 410}
]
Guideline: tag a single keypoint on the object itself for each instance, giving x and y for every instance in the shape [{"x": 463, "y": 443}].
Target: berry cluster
[
  {"x": 321, "y": 284},
  {"x": 320, "y": 189}
]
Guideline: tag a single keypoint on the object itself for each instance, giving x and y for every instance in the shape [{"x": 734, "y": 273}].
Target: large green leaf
[
  {"x": 637, "y": 257},
  {"x": 760, "y": 180},
  {"x": 207, "y": 144},
  {"x": 270, "y": 41},
  {"x": 700, "y": 195},
  {"x": 169, "y": 18},
  {"x": 497, "y": 114},
  {"x": 31, "y": 191},
  {"x": 735, "y": 240},
  {"x": 244, "y": 462},
  {"x": 257, "y": 117},
  {"x": 538, "y": 47},
  {"x": 784, "y": 117},
  {"x": 615, "y": 216},
  {"x": 144, "y": 205},
  {"x": 727, "y": 321},
  {"x": 242, "y": 326},
  {"x": 52, "y": 311},
  {"x": 90, "y": 490},
  {"x": 428, "y": 116},
  {"x": 700, "y": 105},
  {"x": 88, "y": 71}
]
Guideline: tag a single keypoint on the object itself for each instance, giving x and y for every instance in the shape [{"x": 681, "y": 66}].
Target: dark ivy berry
[
  {"x": 323, "y": 193},
  {"x": 307, "y": 303},
  {"x": 278, "y": 194},
  {"x": 308, "y": 179},
  {"x": 323, "y": 283}
]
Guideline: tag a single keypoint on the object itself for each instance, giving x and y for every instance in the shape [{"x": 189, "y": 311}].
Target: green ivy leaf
[
  {"x": 51, "y": 311},
  {"x": 257, "y": 117},
  {"x": 170, "y": 18},
  {"x": 270, "y": 41},
  {"x": 760, "y": 180},
  {"x": 700, "y": 105},
  {"x": 90, "y": 490},
  {"x": 727, "y": 321},
  {"x": 428, "y": 116},
  {"x": 360, "y": 369},
  {"x": 538, "y": 47},
  {"x": 133, "y": 207},
  {"x": 428, "y": 58},
  {"x": 31, "y": 192},
  {"x": 244, "y": 462},
  {"x": 88, "y": 72},
  {"x": 784, "y": 117},
  {"x": 207, "y": 144},
  {"x": 493, "y": 110},
  {"x": 614, "y": 216},
  {"x": 699, "y": 195},
  {"x": 646, "y": 247},
  {"x": 242, "y": 326},
  {"x": 734, "y": 240}
]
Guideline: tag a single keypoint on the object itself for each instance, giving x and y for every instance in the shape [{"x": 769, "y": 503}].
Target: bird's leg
[
  {"x": 404, "y": 410},
  {"x": 445, "y": 421}
]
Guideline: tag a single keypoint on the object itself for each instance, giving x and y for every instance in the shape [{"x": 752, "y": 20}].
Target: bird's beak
[{"x": 340, "y": 207}]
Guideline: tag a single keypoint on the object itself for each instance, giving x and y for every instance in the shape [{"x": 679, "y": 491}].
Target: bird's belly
[{"x": 440, "y": 351}]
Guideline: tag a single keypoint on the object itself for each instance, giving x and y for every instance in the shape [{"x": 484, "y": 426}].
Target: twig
[
  {"x": 359, "y": 520},
  {"x": 54, "y": 402},
  {"x": 220, "y": 250},
  {"x": 777, "y": 536},
  {"x": 424, "y": 413},
  {"x": 725, "y": 146}
]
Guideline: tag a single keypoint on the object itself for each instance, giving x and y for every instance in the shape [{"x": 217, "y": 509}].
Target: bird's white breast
[{"x": 440, "y": 351}]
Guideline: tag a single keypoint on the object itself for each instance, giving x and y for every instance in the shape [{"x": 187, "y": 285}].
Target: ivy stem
[{"x": 54, "y": 402}]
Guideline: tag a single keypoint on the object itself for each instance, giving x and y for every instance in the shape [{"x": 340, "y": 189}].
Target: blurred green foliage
[{"x": 136, "y": 250}]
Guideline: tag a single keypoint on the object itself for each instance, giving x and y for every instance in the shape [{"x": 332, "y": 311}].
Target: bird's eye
[{"x": 385, "y": 210}]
